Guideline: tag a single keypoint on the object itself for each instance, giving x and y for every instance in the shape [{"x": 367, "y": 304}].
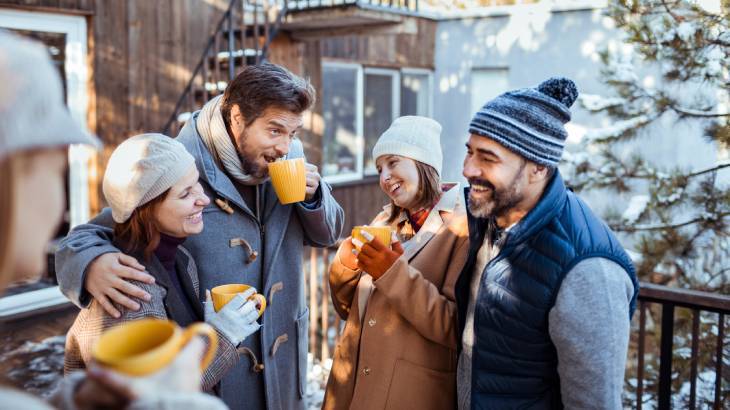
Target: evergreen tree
[{"x": 678, "y": 219}]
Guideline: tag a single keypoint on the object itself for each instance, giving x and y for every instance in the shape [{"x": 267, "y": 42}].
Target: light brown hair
[
  {"x": 140, "y": 233},
  {"x": 429, "y": 190}
]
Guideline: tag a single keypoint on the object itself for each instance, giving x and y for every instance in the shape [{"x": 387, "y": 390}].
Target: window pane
[
  {"x": 415, "y": 95},
  {"x": 378, "y": 112},
  {"x": 339, "y": 108},
  {"x": 486, "y": 84}
]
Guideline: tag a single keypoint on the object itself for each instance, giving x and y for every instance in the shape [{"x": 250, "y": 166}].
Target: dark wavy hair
[{"x": 258, "y": 87}]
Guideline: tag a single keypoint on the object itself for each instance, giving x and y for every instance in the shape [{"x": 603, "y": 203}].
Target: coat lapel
[
  {"x": 190, "y": 283},
  {"x": 436, "y": 221}
]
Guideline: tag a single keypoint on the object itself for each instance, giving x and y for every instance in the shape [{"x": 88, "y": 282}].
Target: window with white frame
[
  {"x": 342, "y": 136},
  {"x": 415, "y": 92},
  {"x": 358, "y": 105},
  {"x": 382, "y": 90},
  {"x": 65, "y": 37}
]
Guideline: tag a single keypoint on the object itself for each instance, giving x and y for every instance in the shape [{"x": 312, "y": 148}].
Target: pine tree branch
[
  {"x": 671, "y": 13},
  {"x": 709, "y": 170},
  {"x": 696, "y": 113},
  {"x": 645, "y": 228}
]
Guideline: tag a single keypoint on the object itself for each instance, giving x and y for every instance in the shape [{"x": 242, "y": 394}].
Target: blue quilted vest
[{"x": 514, "y": 362}]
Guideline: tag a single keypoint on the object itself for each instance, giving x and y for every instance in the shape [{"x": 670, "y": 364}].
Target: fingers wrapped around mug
[{"x": 376, "y": 258}]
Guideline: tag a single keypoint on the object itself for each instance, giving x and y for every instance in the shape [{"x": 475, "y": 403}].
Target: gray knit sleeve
[{"x": 589, "y": 326}]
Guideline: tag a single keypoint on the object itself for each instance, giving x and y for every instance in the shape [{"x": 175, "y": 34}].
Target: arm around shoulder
[{"x": 76, "y": 252}]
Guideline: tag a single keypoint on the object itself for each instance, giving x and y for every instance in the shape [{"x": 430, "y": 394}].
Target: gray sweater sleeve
[
  {"x": 589, "y": 326},
  {"x": 76, "y": 251}
]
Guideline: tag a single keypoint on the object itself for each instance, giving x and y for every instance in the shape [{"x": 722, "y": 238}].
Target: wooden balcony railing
[
  {"x": 325, "y": 327},
  {"x": 699, "y": 302}
]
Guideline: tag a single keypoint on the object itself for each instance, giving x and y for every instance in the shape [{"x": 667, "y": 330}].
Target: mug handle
[
  {"x": 261, "y": 302},
  {"x": 203, "y": 329}
]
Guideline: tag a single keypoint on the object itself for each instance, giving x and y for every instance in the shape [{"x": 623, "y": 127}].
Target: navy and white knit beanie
[{"x": 530, "y": 121}]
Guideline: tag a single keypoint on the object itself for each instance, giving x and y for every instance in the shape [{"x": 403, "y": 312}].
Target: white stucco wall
[{"x": 534, "y": 43}]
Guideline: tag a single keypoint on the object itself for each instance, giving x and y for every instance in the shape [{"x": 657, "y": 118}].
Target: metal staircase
[{"x": 242, "y": 37}]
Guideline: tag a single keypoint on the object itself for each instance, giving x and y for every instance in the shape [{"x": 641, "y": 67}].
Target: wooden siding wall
[
  {"x": 142, "y": 53},
  {"x": 141, "y": 56}
]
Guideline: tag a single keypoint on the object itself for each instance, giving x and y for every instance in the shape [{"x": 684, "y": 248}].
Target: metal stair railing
[{"x": 247, "y": 32}]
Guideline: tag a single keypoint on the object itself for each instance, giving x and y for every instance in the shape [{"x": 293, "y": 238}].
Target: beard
[
  {"x": 250, "y": 159},
  {"x": 500, "y": 201}
]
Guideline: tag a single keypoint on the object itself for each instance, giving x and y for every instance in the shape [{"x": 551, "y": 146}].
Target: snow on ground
[{"x": 317, "y": 374}]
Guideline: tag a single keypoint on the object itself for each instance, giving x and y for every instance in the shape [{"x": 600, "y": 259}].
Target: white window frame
[
  {"x": 395, "y": 103},
  {"x": 429, "y": 74},
  {"x": 359, "y": 125},
  {"x": 396, "y": 74},
  {"x": 79, "y": 156}
]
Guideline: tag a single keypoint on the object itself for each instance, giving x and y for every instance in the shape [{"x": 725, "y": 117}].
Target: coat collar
[
  {"x": 172, "y": 302},
  {"x": 209, "y": 170},
  {"x": 437, "y": 219}
]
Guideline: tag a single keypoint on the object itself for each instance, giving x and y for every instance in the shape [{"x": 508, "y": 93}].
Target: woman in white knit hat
[
  {"x": 398, "y": 349},
  {"x": 151, "y": 184}
]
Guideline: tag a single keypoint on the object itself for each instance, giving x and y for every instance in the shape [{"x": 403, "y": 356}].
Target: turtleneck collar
[{"x": 167, "y": 249}]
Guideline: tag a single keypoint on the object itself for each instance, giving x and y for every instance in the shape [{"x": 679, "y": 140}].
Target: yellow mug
[
  {"x": 381, "y": 232},
  {"x": 289, "y": 178},
  {"x": 144, "y": 346},
  {"x": 223, "y": 294}
]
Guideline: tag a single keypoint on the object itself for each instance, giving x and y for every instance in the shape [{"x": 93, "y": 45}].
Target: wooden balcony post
[{"x": 665, "y": 363}]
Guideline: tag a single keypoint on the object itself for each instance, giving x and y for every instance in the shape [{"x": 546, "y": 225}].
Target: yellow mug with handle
[
  {"x": 384, "y": 233},
  {"x": 144, "y": 346},
  {"x": 223, "y": 294}
]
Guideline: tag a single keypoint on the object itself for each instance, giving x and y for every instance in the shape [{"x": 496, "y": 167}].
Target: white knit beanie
[
  {"x": 142, "y": 168},
  {"x": 417, "y": 138}
]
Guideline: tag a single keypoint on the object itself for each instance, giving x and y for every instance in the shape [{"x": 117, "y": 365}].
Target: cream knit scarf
[{"x": 213, "y": 132}]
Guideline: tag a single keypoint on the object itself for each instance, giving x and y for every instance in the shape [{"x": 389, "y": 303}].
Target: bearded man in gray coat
[{"x": 249, "y": 236}]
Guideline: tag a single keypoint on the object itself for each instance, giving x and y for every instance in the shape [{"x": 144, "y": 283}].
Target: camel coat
[{"x": 398, "y": 348}]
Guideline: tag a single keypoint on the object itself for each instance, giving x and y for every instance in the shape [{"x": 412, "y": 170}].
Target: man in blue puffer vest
[{"x": 547, "y": 293}]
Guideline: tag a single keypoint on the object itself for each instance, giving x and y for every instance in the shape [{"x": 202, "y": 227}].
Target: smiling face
[
  {"x": 498, "y": 178},
  {"x": 264, "y": 140},
  {"x": 399, "y": 179},
  {"x": 180, "y": 214}
]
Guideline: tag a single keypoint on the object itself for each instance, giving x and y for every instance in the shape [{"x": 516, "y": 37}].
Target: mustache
[{"x": 484, "y": 182}]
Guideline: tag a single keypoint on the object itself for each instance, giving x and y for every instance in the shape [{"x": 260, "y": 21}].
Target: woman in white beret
[
  {"x": 151, "y": 184},
  {"x": 398, "y": 348}
]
